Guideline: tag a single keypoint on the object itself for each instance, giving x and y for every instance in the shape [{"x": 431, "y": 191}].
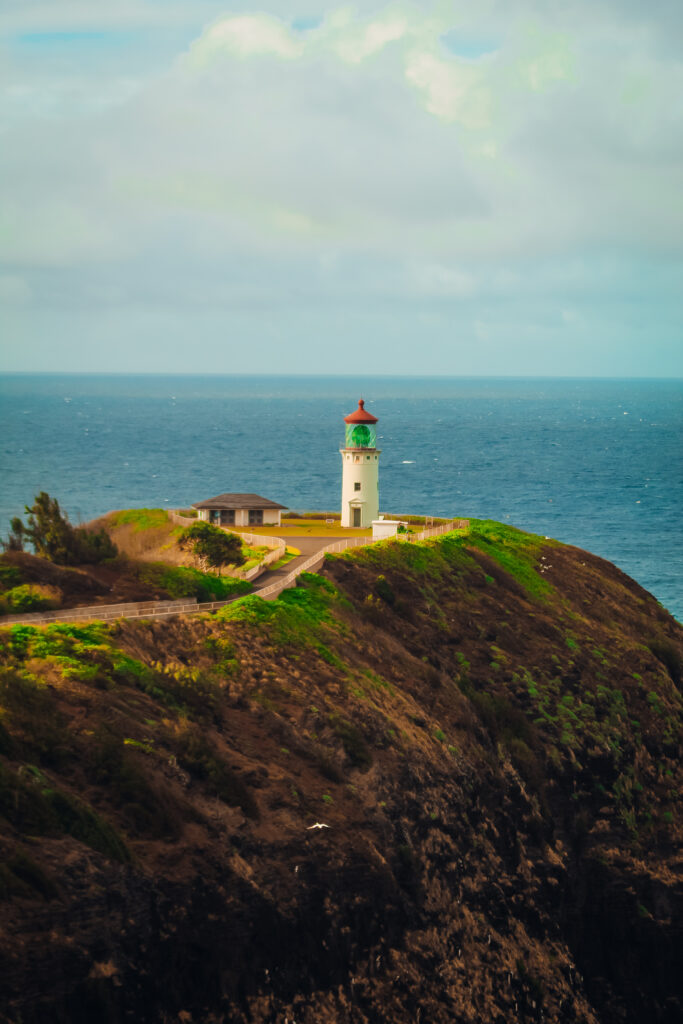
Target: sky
[{"x": 489, "y": 188}]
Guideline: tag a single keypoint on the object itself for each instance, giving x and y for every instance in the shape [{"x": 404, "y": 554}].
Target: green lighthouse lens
[{"x": 361, "y": 436}]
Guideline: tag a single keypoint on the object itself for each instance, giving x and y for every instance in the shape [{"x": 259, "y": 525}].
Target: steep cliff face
[{"x": 489, "y": 727}]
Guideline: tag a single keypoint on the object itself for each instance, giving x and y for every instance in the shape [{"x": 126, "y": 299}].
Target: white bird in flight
[{"x": 318, "y": 824}]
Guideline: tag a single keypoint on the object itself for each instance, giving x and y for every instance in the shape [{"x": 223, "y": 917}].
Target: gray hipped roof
[{"x": 230, "y": 501}]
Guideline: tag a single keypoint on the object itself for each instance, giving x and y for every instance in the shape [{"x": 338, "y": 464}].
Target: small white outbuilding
[
  {"x": 239, "y": 510},
  {"x": 383, "y": 528}
]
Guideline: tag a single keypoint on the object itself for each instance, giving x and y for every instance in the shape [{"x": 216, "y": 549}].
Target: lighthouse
[{"x": 360, "y": 469}]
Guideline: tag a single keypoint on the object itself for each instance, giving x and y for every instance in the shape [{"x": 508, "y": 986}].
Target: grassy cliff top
[{"x": 488, "y": 723}]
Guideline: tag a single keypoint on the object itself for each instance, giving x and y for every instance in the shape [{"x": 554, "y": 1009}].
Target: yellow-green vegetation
[
  {"x": 307, "y": 527},
  {"x": 143, "y": 519},
  {"x": 290, "y": 553},
  {"x": 515, "y": 551},
  {"x": 301, "y": 617},
  {"x": 29, "y": 597},
  {"x": 183, "y": 581},
  {"x": 37, "y": 745}
]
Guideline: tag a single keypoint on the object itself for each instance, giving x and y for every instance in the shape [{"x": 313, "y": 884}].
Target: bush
[
  {"x": 212, "y": 546},
  {"x": 30, "y": 597}
]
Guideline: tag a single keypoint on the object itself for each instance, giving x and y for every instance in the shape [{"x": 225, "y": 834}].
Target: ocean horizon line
[{"x": 336, "y": 376}]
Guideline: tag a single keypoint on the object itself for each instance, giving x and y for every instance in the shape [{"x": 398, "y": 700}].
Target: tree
[
  {"x": 54, "y": 538},
  {"x": 212, "y": 546}
]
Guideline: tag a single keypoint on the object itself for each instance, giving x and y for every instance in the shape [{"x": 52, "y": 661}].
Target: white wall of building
[
  {"x": 382, "y": 529},
  {"x": 360, "y": 486},
  {"x": 271, "y": 516}
]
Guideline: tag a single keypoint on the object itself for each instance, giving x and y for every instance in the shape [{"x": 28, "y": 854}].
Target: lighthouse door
[{"x": 356, "y": 517}]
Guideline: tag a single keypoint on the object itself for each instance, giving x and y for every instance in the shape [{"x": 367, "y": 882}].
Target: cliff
[{"x": 489, "y": 727}]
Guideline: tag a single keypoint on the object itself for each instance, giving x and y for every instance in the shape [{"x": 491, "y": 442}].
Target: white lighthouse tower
[{"x": 360, "y": 469}]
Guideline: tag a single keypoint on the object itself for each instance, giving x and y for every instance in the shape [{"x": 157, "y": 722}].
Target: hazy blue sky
[{"x": 488, "y": 187}]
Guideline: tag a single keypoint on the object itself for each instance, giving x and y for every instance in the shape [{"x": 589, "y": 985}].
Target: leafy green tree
[
  {"x": 50, "y": 532},
  {"x": 54, "y": 538},
  {"x": 212, "y": 546}
]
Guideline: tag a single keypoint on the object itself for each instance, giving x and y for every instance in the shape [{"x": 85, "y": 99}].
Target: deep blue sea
[{"x": 596, "y": 463}]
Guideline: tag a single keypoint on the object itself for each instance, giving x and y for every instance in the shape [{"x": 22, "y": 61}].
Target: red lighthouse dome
[{"x": 360, "y": 415}]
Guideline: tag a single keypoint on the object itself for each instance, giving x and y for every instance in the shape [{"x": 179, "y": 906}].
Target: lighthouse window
[
  {"x": 367, "y": 457},
  {"x": 356, "y": 486}
]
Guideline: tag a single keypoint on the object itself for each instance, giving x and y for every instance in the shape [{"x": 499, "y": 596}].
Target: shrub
[
  {"x": 212, "y": 546},
  {"x": 30, "y": 597}
]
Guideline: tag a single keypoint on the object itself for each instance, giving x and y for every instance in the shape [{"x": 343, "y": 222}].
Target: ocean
[{"x": 596, "y": 463}]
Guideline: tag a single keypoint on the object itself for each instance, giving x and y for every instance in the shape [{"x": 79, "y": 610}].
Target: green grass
[
  {"x": 425, "y": 561},
  {"x": 141, "y": 518},
  {"x": 86, "y": 654},
  {"x": 515, "y": 551},
  {"x": 181, "y": 581},
  {"x": 290, "y": 554},
  {"x": 301, "y": 617}
]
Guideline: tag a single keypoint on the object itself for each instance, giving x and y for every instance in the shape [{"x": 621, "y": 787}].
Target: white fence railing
[
  {"x": 131, "y": 609},
  {"x": 435, "y": 531},
  {"x": 336, "y": 547}
]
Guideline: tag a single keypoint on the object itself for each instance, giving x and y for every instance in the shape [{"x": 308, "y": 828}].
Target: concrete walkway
[{"x": 307, "y": 546}]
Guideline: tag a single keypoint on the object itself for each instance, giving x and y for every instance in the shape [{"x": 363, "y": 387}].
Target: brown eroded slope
[{"x": 490, "y": 726}]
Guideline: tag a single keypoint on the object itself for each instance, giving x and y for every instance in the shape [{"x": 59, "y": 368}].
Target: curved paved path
[{"x": 307, "y": 546}]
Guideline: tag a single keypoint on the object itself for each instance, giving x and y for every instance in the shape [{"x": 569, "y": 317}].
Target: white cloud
[
  {"x": 251, "y": 162},
  {"x": 453, "y": 89},
  {"x": 251, "y": 35},
  {"x": 358, "y": 43}
]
